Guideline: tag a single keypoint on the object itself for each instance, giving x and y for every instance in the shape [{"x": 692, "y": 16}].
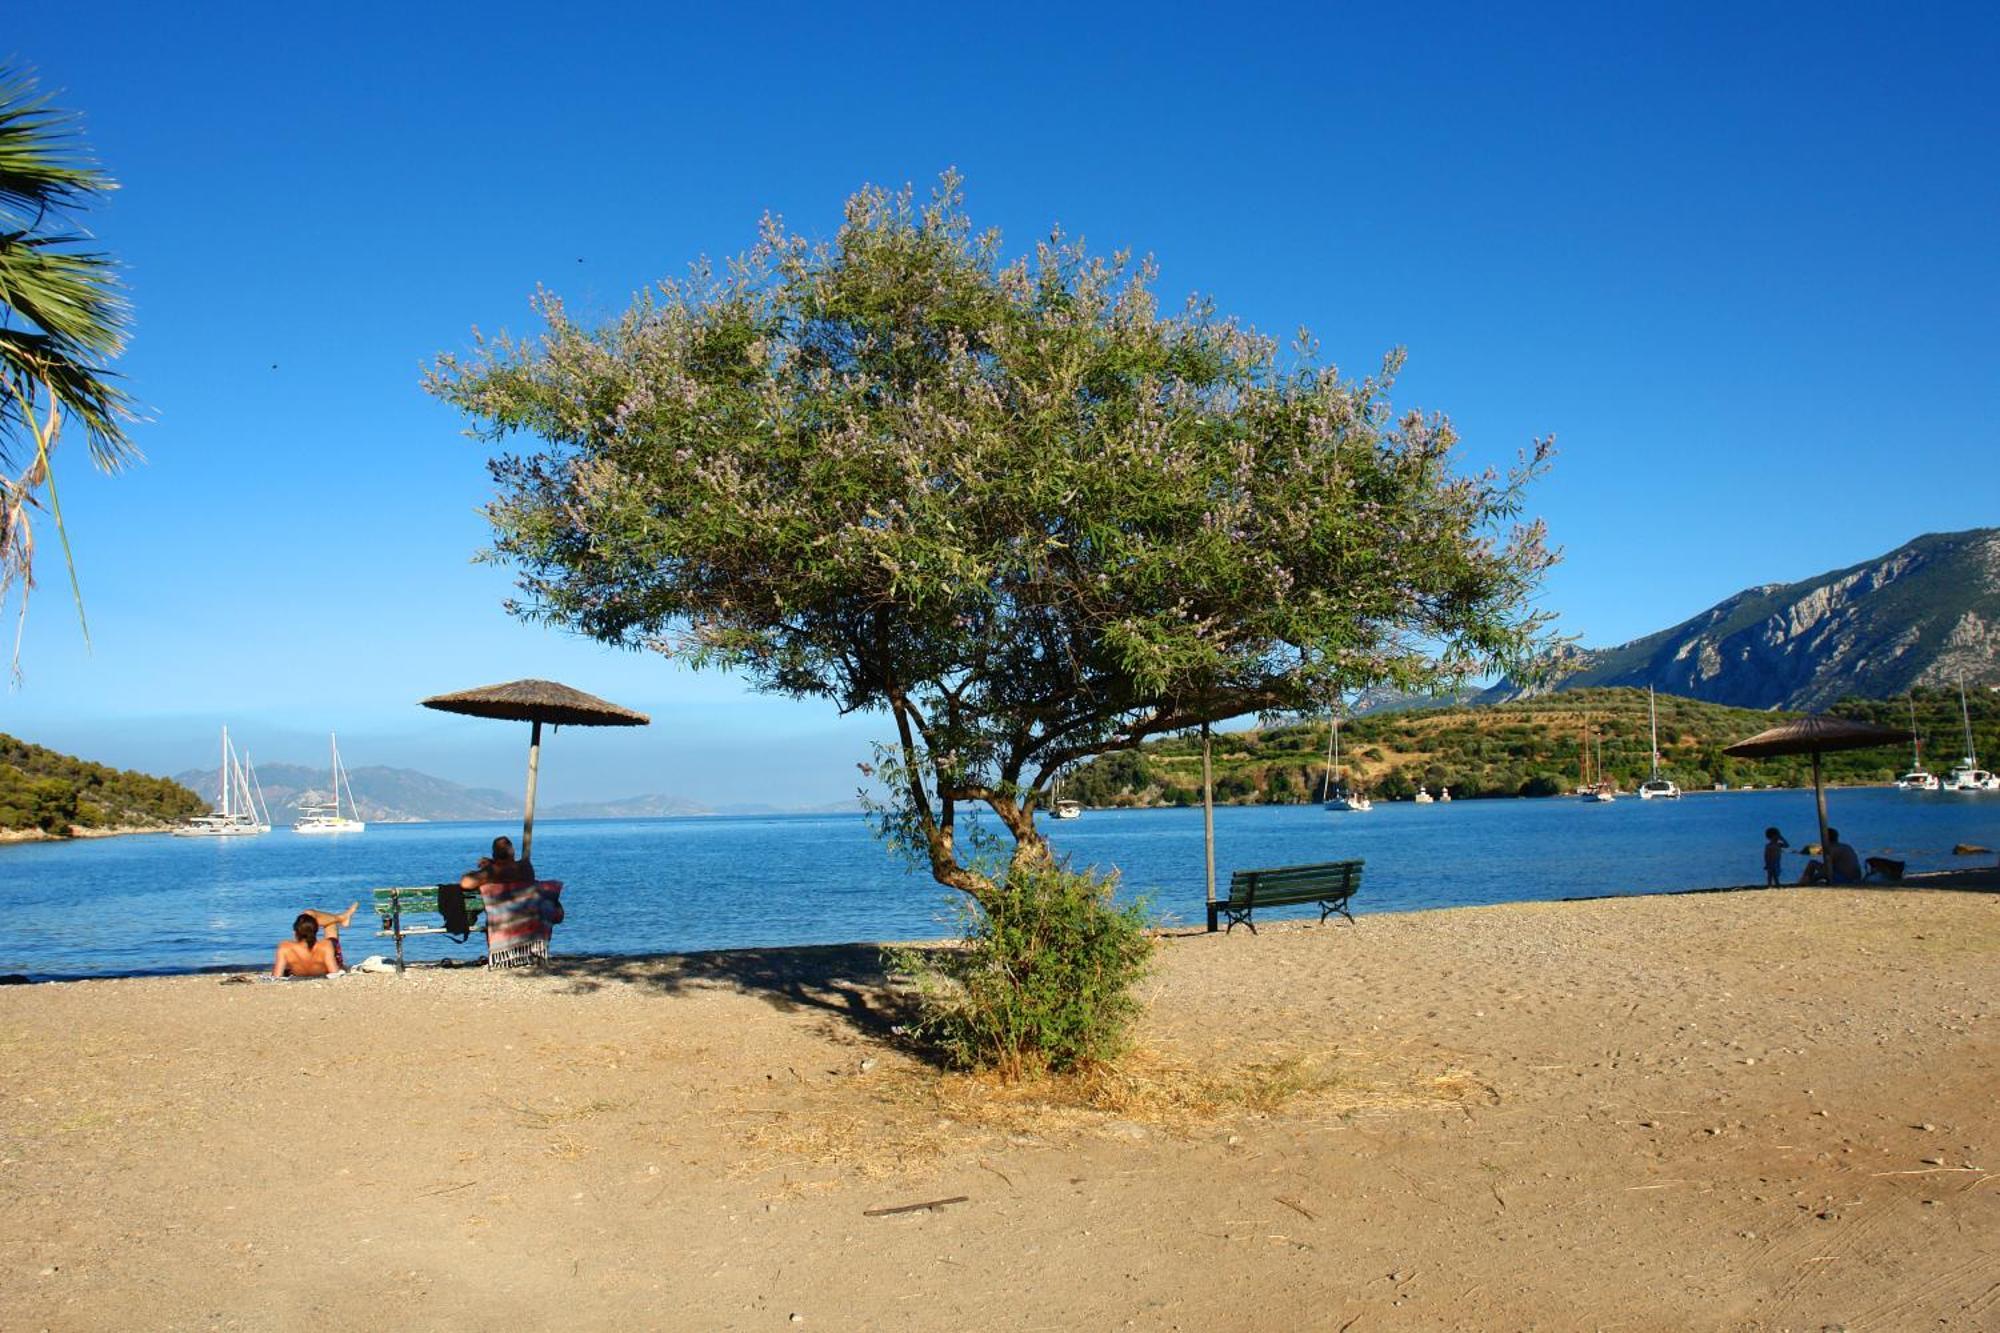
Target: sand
[{"x": 1771, "y": 1110}]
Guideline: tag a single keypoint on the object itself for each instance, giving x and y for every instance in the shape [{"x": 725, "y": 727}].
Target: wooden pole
[
  {"x": 1208, "y": 821},
  {"x": 1819, "y": 799},
  {"x": 534, "y": 763}
]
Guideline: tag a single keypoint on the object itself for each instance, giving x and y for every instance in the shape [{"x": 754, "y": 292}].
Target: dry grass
[{"x": 906, "y": 1116}]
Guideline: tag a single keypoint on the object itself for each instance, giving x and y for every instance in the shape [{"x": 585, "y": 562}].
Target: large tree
[
  {"x": 62, "y": 318},
  {"x": 1011, "y": 504}
]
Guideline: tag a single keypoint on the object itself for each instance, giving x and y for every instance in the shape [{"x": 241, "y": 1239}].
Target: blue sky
[{"x": 1739, "y": 260}]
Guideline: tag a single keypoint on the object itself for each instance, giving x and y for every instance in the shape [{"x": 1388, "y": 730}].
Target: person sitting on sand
[
  {"x": 1846, "y": 866},
  {"x": 1774, "y": 856},
  {"x": 306, "y": 954}
]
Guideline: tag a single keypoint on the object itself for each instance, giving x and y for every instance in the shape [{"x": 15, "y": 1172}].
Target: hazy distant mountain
[
  {"x": 384, "y": 795},
  {"x": 1925, "y": 614},
  {"x": 631, "y": 807},
  {"x": 402, "y": 796}
]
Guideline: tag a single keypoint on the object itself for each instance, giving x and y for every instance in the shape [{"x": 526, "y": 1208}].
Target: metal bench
[
  {"x": 1330, "y": 884},
  {"x": 396, "y": 905}
]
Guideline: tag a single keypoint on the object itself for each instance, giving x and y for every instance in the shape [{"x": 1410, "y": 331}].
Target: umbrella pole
[
  {"x": 1819, "y": 798},
  {"x": 535, "y": 762},
  {"x": 1208, "y": 822}
]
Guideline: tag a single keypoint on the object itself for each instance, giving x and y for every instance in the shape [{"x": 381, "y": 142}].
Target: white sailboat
[
  {"x": 1968, "y": 775},
  {"x": 327, "y": 817},
  {"x": 1656, "y": 788},
  {"x": 239, "y": 805},
  {"x": 1600, "y": 791},
  {"x": 1334, "y": 795},
  {"x": 1060, "y": 806},
  {"x": 1917, "y": 779},
  {"x": 1423, "y": 796}
]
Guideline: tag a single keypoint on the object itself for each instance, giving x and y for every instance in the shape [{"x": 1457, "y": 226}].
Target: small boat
[
  {"x": 1656, "y": 788},
  {"x": 1967, "y": 775},
  {"x": 1600, "y": 791},
  {"x": 1917, "y": 779},
  {"x": 327, "y": 817},
  {"x": 1060, "y": 806},
  {"x": 1333, "y": 793},
  {"x": 1423, "y": 796},
  {"x": 239, "y": 805},
  {"x": 1444, "y": 793}
]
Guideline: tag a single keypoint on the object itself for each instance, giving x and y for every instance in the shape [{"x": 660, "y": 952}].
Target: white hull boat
[
  {"x": 1968, "y": 776},
  {"x": 331, "y": 816},
  {"x": 1656, "y": 788},
  {"x": 1334, "y": 796},
  {"x": 239, "y": 805}
]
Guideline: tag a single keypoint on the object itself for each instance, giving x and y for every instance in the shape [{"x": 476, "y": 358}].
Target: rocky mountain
[{"x": 1925, "y": 614}]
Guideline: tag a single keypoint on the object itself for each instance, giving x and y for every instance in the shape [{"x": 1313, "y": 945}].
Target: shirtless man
[{"x": 306, "y": 954}]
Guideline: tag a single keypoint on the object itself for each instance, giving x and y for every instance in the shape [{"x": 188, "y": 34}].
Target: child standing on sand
[{"x": 1774, "y": 855}]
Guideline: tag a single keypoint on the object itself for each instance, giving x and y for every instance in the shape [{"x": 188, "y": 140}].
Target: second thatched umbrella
[
  {"x": 1816, "y": 735},
  {"x": 536, "y": 702}
]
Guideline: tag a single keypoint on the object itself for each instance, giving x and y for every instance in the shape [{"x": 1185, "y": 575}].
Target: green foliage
[
  {"x": 1535, "y": 747},
  {"x": 61, "y": 318},
  {"x": 1012, "y": 504},
  {"x": 1044, "y": 981},
  {"x": 40, "y": 788}
]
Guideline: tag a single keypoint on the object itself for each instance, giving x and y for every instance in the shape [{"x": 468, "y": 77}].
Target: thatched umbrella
[
  {"x": 1816, "y": 735},
  {"x": 536, "y": 701}
]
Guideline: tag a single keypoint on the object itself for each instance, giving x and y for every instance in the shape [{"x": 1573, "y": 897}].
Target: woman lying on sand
[{"x": 306, "y": 954}]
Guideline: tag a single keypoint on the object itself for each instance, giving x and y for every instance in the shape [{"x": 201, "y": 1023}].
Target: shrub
[{"x": 1044, "y": 981}]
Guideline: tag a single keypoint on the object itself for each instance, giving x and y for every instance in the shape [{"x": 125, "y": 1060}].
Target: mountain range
[
  {"x": 1926, "y": 614},
  {"x": 403, "y": 796}
]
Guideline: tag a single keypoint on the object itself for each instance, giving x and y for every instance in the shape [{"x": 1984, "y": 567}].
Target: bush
[{"x": 1044, "y": 981}]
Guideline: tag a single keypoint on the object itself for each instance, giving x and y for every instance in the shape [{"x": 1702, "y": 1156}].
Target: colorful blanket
[{"x": 517, "y": 922}]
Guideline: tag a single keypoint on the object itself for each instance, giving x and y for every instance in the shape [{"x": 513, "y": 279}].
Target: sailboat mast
[
  {"x": 1916, "y": 741},
  {"x": 1326, "y": 778},
  {"x": 1971, "y": 755},
  {"x": 1653, "y": 718}
]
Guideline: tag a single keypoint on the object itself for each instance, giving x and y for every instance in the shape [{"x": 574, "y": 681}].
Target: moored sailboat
[
  {"x": 1917, "y": 779},
  {"x": 1968, "y": 776},
  {"x": 1656, "y": 788},
  {"x": 1333, "y": 793},
  {"x": 239, "y": 804},
  {"x": 327, "y": 817}
]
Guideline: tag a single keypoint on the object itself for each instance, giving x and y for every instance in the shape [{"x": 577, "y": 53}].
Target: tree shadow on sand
[{"x": 848, "y": 981}]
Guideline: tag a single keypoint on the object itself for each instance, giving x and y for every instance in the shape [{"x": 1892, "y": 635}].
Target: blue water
[{"x": 160, "y": 904}]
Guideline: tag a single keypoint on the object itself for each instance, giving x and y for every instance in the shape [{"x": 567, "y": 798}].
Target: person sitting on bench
[
  {"x": 306, "y": 954},
  {"x": 1846, "y": 866},
  {"x": 499, "y": 868}
]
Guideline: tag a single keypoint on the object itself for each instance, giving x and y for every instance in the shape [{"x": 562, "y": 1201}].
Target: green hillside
[
  {"x": 1529, "y": 748},
  {"x": 41, "y": 789}
]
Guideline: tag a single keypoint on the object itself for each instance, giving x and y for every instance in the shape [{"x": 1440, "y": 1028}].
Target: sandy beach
[{"x": 1759, "y": 1110}]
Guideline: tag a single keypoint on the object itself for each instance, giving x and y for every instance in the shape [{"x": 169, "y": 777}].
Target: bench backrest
[
  {"x": 421, "y": 898},
  {"x": 1294, "y": 884}
]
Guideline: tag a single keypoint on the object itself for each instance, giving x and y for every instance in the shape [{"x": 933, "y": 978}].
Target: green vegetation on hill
[
  {"x": 41, "y": 789},
  {"x": 1532, "y": 747}
]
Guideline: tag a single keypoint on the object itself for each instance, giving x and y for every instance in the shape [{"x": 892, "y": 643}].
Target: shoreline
[
  {"x": 1978, "y": 880},
  {"x": 77, "y": 833}
]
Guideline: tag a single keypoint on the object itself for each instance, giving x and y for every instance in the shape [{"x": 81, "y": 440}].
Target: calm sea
[{"x": 161, "y": 904}]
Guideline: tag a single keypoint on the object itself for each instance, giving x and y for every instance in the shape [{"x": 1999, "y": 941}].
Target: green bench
[
  {"x": 1330, "y": 884},
  {"x": 397, "y": 905}
]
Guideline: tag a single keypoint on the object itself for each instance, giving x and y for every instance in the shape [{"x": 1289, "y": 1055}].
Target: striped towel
[{"x": 517, "y": 931}]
